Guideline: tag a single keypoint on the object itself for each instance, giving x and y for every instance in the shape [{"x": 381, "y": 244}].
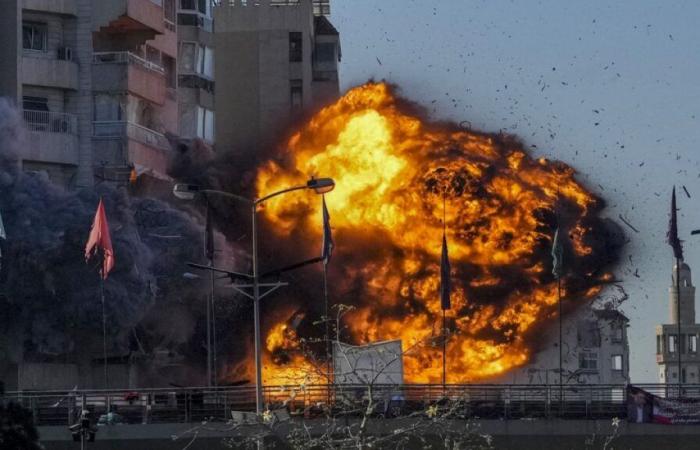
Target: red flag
[{"x": 100, "y": 239}]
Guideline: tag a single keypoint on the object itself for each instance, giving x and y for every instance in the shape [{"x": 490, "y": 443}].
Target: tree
[{"x": 17, "y": 430}]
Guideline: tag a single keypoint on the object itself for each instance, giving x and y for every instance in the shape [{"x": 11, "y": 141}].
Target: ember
[{"x": 393, "y": 170}]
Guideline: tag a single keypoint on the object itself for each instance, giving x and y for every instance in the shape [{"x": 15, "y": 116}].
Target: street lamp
[{"x": 189, "y": 191}]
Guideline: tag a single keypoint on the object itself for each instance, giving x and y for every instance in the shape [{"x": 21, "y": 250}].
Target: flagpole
[
  {"x": 104, "y": 329},
  {"x": 678, "y": 319},
  {"x": 444, "y": 320},
  {"x": 327, "y": 307},
  {"x": 328, "y": 328},
  {"x": 212, "y": 338},
  {"x": 561, "y": 369}
]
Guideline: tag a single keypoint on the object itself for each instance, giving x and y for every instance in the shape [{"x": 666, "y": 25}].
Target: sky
[{"x": 610, "y": 88}]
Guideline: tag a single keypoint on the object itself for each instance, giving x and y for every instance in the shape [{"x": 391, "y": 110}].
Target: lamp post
[{"x": 188, "y": 192}]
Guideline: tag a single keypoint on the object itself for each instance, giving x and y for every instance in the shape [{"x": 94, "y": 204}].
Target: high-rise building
[
  {"x": 669, "y": 347},
  {"x": 276, "y": 59},
  {"x": 196, "y": 69},
  {"x": 95, "y": 80}
]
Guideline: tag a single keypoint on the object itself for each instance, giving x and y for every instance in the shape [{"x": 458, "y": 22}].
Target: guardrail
[
  {"x": 52, "y": 122},
  {"x": 124, "y": 129},
  {"x": 182, "y": 405},
  {"x": 126, "y": 58}
]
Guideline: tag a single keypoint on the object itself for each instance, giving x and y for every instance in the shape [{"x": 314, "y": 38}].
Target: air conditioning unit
[{"x": 65, "y": 53}]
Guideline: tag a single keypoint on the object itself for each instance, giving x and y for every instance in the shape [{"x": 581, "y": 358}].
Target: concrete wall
[
  {"x": 253, "y": 72},
  {"x": 58, "y": 148},
  {"x": 506, "y": 435},
  {"x": 49, "y": 72},
  {"x": 67, "y": 7},
  {"x": 10, "y": 50},
  {"x": 54, "y": 376},
  {"x": 122, "y": 77}
]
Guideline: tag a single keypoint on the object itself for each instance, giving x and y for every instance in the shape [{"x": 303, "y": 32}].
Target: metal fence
[
  {"x": 123, "y": 129},
  {"x": 125, "y": 58},
  {"x": 49, "y": 121},
  {"x": 182, "y": 405}
]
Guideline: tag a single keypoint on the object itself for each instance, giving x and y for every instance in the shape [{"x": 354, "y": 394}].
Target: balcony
[
  {"x": 127, "y": 72},
  {"x": 66, "y": 7},
  {"x": 49, "y": 72},
  {"x": 143, "y": 147},
  {"x": 52, "y": 137},
  {"x": 136, "y": 132},
  {"x": 120, "y": 16}
]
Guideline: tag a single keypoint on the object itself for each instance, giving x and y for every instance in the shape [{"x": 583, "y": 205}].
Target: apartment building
[
  {"x": 196, "y": 70},
  {"x": 595, "y": 350},
  {"x": 276, "y": 59},
  {"x": 96, "y": 82}
]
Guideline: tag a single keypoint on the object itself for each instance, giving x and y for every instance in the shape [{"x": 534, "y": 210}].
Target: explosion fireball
[{"x": 393, "y": 171}]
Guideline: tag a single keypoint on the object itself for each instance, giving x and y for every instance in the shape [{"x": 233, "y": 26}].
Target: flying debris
[
  {"x": 392, "y": 168},
  {"x": 626, "y": 222}
]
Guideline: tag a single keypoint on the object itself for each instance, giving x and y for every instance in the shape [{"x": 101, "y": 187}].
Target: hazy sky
[{"x": 609, "y": 87}]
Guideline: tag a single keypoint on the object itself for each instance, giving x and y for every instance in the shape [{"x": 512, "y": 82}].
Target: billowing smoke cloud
[
  {"x": 50, "y": 296},
  {"x": 394, "y": 167}
]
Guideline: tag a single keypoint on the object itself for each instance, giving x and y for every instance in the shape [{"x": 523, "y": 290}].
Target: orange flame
[{"x": 393, "y": 171}]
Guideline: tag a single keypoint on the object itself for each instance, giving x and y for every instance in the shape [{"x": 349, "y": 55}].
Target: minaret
[
  {"x": 687, "y": 292},
  {"x": 667, "y": 343}
]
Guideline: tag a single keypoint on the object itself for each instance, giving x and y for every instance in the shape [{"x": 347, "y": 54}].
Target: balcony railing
[
  {"x": 52, "y": 122},
  {"x": 139, "y": 133},
  {"x": 125, "y": 58}
]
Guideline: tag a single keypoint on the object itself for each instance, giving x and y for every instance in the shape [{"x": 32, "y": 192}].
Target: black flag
[
  {"x": 672, "y": 235},
  {"x": 557, "y": 255},
  {"x": 445, "y": 283},
  {"x": 327, "y": 249},
  {"x": 209, "y": 236}
]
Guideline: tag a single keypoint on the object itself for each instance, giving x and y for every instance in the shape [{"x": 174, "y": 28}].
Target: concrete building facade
[
  {"x": 196, "y": 70},
  {"x": 276, "y": 59},
  {"x": 95, "y": 80},
  {"x": 668, "y": 345}
]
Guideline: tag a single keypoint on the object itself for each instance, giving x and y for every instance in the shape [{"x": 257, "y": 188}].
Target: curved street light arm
[
  {"x": 239, "y": 198},
  {"x": 275, "y": 194}
]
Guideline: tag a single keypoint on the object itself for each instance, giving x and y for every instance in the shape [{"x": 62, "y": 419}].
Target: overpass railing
[{"x": 183, "y": 405}]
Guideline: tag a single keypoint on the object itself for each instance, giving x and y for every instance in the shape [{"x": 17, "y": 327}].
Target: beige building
[
  {"x": 595, "y": 350},
  {"x": 95, "y": 80},
  {"x": 276, "y": 59},
  {"x": 668, "y": 346}
]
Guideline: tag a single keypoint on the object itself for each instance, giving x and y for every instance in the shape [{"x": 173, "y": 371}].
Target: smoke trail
[{"x": 48, "y": 294}]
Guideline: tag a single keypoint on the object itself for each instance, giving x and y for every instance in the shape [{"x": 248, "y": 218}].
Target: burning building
[{"x": 395, "y": 172}]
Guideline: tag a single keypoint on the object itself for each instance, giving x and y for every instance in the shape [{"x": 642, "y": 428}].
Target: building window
[
  {"x": 295, "y": 46},
  {"x": 692, "y": 343},
  {"x": 170, "y": 72},
  {"x": 325, "y": 52},
  {"x": 672, "y": 343},
  {"x": 35, "y": 103},
  {"x": 201, "y": 6},
  {"x": 205, "y": 124},
  {"x": 616, "y": 362},
  {"x": 297, "y": 93},
  {"x": 659, "y": 341},
  {"x": 205, "y": 60},
  {"x": 588, "y": 361},
  {"x": 34, "y": 36},
  {"x": 188, "y": 53},
  {"x": 617, "y": 333}
]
